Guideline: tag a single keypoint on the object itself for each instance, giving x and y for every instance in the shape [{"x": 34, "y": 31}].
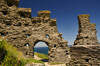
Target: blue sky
[{"x": 66, "y": 12}]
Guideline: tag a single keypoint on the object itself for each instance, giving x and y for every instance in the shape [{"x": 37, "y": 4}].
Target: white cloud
[{"x": 41, "y": 44}]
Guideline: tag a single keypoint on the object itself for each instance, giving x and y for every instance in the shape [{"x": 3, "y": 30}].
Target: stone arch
[{"x": 47, "y": 43}]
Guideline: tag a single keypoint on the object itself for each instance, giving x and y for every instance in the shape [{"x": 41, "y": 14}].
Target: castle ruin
[
  {"x": 87, "y": 32},
  {"x": 24, "y": 31},
  {"x": 86, "y": 49}
]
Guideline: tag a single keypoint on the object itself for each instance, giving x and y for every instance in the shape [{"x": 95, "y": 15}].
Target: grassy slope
[
  {"x": 44, "y": 56},
  {"x": 40, "y": 55},
  {"x": 12, "y": 56}
]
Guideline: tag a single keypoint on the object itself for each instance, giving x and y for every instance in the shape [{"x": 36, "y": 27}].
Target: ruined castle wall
[
  {"x": 23, "y": 31},
  {"x": 85, "y": 51},
  {"x": 87, "y": 32},
  {"x": 85, "y": 56}
]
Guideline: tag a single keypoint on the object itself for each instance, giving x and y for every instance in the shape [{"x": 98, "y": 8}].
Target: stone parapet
[
  {"x": 44, "y": 13},
  {"x": 12, "y": 2},
  {"x": 25, "y": 12}
]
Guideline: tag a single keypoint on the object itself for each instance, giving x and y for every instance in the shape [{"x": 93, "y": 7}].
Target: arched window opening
[
  {"x": 18, "y": 24},
  {"x": 87, "y": 60},
  {"x": 5, "y": 12},
  {"x": 26, "y": 24},
  {"x": 2, "y": 34},
  {"x": 28, "y": 35},
  {"x": 9, "y": 4},
  {"x": 27, "y": 45},
  {"x": 66, "y": 52},
  {"x": 8, "y": 24},
  {"x": 47, "y": 36},
  {"x": 41, "y": 49},
  {"x": 54, "y": 45}
]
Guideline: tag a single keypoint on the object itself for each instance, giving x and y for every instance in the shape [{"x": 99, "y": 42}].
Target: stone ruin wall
[
  {"x": 87, "y": 32},
  {"x": 23, "y": 31},
  {"x": 85, "y": 56},
  {"x": 86, "y": 49}
]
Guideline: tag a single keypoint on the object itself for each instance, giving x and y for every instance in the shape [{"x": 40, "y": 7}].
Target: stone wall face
[
  {"x": 87, "y": 32},
  {"x": 86, "y": 49},
  {"x": 85, "y": 56},
  {"x": 23, "y": 31}
]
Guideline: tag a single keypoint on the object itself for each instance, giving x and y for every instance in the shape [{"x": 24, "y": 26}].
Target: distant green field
[{"x": 40, "y": 55}]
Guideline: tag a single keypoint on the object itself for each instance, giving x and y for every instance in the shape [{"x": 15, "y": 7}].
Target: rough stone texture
[
  {"x": 35, "y": 64},
  {"x": 85, "y": 56},
  {"x": 24, "y": 31},
  {"x": 87, "y": 32},
  {"x": 86, "y": 49}
]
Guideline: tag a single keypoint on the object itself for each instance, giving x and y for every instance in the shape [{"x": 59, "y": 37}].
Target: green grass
[
  {"x": 43, "y": 56},
  {"x": 34, "y": 60},
  {"x": 13, "y": 57},
  {"x": 56, "y": 63}
]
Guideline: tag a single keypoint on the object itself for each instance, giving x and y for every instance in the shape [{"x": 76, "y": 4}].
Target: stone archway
[
  {"x": 41, "y": 48},
  {"x": 46, "y": 43}
]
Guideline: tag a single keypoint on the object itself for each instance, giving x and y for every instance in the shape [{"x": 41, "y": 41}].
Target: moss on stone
[{"x": 84, "y": 15}]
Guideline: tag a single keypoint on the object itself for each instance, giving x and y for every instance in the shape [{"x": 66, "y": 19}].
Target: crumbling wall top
[
  {"x": 87, "y": 31},
  {"x": 12, "y": 2},
  {"x": 25, "y": 12},
  {"x": 44, "y": 13},
  {"x": 84, "y": 19},
  {"x": 84, "y": 15}
]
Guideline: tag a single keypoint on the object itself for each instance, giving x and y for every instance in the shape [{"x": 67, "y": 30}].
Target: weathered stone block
[
  {"x": 12, "y": 2},
  {"x": 24, "y": 12},
  {"x": 44, "y": 13}
]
